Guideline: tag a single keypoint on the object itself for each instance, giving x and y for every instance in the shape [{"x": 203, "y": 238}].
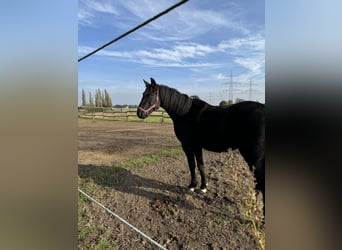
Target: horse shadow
[{"x": 123, "y": 180}]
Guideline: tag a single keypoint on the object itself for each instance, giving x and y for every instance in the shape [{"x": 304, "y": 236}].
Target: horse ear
[
  {"x": 146, "y": 83},
  {"x": 153, "y": 82}
]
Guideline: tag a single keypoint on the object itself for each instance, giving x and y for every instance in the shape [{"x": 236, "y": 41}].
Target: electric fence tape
[{"x": 122, "y": 220}]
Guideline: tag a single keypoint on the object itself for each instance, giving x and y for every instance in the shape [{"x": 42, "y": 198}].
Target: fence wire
[{"x": 122, "y": 220}]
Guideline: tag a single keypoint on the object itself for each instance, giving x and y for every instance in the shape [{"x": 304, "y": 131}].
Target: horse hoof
[
  {"x": 192, "y": 189},
  {"x": 204, "y": 188}
]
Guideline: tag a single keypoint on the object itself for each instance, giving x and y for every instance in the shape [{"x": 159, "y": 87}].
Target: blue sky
[{"x": 195, "y": 48}]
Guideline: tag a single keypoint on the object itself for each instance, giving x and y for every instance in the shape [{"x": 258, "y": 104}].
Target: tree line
[
  {"x": 230, "y": 102},
  {"x": 102, "y": 99}
]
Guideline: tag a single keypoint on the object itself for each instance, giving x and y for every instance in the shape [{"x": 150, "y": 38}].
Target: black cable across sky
[{"x": 135, "y": 28}]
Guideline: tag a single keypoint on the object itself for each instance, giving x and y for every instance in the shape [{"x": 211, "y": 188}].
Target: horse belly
[
  {"x": 220, "y": 131},
  {"x": 217, "y": 140},
  {"x": 215, "y": 148}
]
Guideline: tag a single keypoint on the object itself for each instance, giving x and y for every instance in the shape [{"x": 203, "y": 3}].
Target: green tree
[
  {"x": 239, "y": 100},
  {"x": 91, "y": 101},
  {"x": 98, "y": 98},
  {"x": 107, "y": 98},
  {"x": 103, "y": 99},
  {"x": 223, "y": 103},
  {"x": 84, "y": 102}
]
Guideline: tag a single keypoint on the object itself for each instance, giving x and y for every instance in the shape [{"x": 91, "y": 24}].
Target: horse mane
[{"x": 174, "y": 102}]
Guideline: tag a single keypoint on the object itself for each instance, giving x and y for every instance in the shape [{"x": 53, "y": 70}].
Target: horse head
[{"x": 150, "y": 100}]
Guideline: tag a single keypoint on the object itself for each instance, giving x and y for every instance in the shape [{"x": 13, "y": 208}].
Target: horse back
[
  {"x": 218, "y": 128},
  {"x": 232, "y": 126}
]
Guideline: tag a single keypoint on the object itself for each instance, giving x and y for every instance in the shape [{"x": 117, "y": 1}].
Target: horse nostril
[{"x": 141, "y": 114}]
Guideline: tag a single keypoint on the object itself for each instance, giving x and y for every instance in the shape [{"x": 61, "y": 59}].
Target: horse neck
[{"x": 175, "y": 103}]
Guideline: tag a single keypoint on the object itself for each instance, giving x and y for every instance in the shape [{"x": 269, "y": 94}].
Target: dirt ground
[{"x": 153, "y": 196}]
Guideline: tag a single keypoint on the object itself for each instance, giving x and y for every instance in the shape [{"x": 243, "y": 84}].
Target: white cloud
[
  {"x": 201, "y": 21},
  {"x": 84, "y": 16},
  {"x": 220, "y": 76},
  {"x": 183, "y": 23},
  {"x": 188, "y": 65},
  {"x": 252, "y": 43},
  {"x": 178, "y": 53},
  {"x": 146, "y": 8},
  {"x": 252, "y": 63},
  {"x": 101, "y": 6},
  {"x": 87, "y": 10},
  {"x": 247, "y": 52}
]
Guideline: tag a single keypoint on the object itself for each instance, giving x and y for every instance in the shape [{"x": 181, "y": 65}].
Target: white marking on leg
[{"x": 192, "y": 189}]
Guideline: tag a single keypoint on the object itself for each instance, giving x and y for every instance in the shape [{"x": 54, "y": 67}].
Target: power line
[
  {"x": 230, "y": 90},
  {"x": 135, "y": 28},
  {"x": 250, "y": 89},
  {"x": 231, "y": 86}
]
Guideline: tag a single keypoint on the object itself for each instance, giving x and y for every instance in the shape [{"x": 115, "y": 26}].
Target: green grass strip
[{"x": 151, "y": 158}]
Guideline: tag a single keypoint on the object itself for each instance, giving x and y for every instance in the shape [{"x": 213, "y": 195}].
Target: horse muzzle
[{"x": 143, "y": 113}]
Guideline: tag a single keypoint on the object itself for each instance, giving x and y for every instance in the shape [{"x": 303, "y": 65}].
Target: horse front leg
[
  {"x": 200, "y": 165},
  {"x": 192, "y": 165}
]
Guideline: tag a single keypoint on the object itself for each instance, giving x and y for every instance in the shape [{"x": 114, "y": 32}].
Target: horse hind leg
[
  {"x": 256, "y": 162},
  {"x": 259, "y": 174}
]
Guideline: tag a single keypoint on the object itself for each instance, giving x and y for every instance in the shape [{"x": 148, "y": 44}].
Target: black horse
[{"x": 199, "y": 125}]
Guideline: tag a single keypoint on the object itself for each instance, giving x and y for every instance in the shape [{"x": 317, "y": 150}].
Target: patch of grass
[
  {"x": 151, "y": 158},
  {"x": 93, "y": 181},
  {"x": 90, "y": 176},
  {"x": 88, "y": 186},
  {"x": 157, "y": 119},
  {"x": 92, "y": 235},
  {"x": 95, "y": 237},
  {"x": 249, "y": 214},
  {"x": 244, "y": 217}
]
